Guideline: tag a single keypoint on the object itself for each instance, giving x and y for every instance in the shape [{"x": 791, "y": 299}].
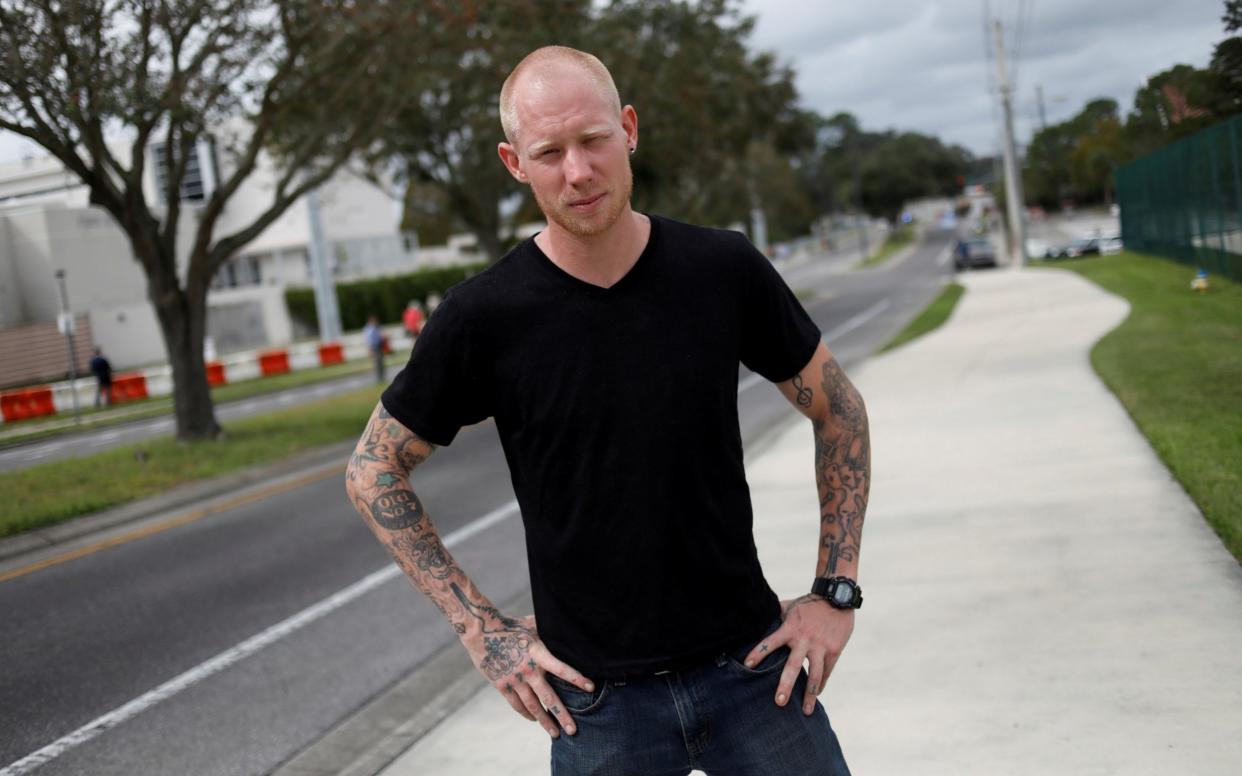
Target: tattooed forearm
[
  {"x": 377, "y": 481},
  {"x": 506, "y": 641},
  {"x": 842, "y": 470},
  {"x": 396, "y": 509}
]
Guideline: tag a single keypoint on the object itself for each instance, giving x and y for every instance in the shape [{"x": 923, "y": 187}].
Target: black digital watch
[{"x": 839, "y": 592}]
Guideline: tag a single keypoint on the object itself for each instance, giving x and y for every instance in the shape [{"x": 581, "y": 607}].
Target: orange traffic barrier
[
  {"x": 27, "y": 403},
  {"x": 274, "y": 362},
  {"x": 215, "y": 374},
  {"x": 331, "y": 353},
  {"x": 129, "y": 387}
]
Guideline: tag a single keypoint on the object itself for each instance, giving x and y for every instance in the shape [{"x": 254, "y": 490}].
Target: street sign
[{"x": 64, "y": 322}]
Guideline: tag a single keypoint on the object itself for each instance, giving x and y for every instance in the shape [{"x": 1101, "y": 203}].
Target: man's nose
[{"x": 577, "y": 166}]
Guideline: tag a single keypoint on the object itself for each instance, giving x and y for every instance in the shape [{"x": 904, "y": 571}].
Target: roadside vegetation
[
  {"x": 931, "y": 318},
  {"x": 1176, "y": 365},
  {"x": 55, "y": 492},
  {"x": 895, "y": 241}
]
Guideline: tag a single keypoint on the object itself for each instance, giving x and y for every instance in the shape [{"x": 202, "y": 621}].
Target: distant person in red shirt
[{"x": 412, "y": 319}]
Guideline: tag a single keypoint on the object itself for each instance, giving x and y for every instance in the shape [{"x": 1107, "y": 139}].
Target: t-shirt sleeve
[
  {"x": 439, "y": 391},
  {"x": 778, "y": 337}
]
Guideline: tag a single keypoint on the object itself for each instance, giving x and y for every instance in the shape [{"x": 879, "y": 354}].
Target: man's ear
[
  {"x": 509, "y": 155},
  {"x": 629, "y": 125}
]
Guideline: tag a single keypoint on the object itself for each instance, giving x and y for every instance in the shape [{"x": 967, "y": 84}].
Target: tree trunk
[
  {"x": 183, "y": 322},
  {"x": 489, "y": 243}
]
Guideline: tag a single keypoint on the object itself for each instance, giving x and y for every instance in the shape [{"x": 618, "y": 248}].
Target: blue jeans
[{"x": 719, "y": 717}]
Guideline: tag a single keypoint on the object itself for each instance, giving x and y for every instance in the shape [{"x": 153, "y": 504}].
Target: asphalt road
[{"x": 95, "y": 636}]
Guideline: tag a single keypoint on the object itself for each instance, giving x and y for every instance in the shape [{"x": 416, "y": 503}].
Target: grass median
[
  {"x": 931, "y": 318},
  {"x": 895, "y": 241},
  {"x": 54, "y": 492},
  {"x": 1176, "y": 365}
]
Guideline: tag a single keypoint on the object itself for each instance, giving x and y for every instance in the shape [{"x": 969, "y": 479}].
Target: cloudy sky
[{"x": 921, "y": 64}]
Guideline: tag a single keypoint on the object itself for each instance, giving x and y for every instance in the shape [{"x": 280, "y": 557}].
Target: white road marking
[
  {"x": 858, "y": 320},
  {"x": 943, "y": 258},
  {"x": 750, "y": 382},
  {"x": 240, "y": 651}
]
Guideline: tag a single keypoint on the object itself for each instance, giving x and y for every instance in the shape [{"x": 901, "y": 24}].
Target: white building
[{"x": 47, "y": 224}]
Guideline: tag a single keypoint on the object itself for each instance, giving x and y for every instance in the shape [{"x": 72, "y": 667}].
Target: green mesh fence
[{"x": 1185, "y": 200}]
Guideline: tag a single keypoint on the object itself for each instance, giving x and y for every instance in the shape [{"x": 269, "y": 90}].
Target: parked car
[
  {"x": 1083, "y": 246},
  {"x": 974, "y": 252},
  {"x": 1111, "y": 244}
]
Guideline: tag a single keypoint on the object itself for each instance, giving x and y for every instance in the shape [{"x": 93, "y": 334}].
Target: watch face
[{"x": 843, "y": 594}]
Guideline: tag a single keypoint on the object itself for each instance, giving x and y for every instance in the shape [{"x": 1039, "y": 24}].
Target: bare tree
[{"x": 304, "y": 79}]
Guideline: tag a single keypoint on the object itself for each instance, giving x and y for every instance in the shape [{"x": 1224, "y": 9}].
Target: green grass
[
  {"x": 895, "y": 241},
  {"x": 1176, "y": 365},
  {"x": 92, "y": 418},
  {"x": 932, "y": 316},
  {"x": 54, "y": 492}
]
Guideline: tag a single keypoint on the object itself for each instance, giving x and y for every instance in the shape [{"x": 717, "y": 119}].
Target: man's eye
[{"x": 549, "y": 152}]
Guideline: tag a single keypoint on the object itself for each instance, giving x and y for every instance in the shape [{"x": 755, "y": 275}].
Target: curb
[
  {"x": 375, "y": 736},
  {"x": 17, "y": 550}
]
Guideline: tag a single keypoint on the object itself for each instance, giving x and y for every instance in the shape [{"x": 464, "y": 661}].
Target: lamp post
[{"x": 65, "y": 322}]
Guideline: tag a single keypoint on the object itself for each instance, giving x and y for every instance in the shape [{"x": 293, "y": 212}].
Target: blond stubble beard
[{"x": 565, "y": 219}]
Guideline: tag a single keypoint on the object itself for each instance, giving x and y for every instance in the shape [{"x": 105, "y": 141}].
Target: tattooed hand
[
  {"x": 816, "y": 634},
  {"x": 511, "y": 656}
]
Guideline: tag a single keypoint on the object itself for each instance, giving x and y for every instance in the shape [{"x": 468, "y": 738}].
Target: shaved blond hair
[{"x": 543, "y": 61}]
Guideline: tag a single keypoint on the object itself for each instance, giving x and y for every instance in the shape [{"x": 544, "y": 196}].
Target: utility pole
[
  {"x": 1013, "y": 175},
  {"x": 1039, "y": 101},
  {"x": 66, "y": 324},
  {"x": 327, "y": 308}
]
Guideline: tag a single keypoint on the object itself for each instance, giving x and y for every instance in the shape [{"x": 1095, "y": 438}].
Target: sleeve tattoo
[
  {"x": 842, "y": 470},
  {"x": 377, "y": 481}
]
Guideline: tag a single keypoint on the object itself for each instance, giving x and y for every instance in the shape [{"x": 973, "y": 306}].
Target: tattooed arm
[
  {"x": 813, "y": 630},
  {"x": 507, "y": 651}
]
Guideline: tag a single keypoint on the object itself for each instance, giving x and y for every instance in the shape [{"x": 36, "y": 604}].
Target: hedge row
[{"x": 384, "y": 297}]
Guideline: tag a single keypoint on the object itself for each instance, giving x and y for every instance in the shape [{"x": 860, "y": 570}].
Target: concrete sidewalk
[{"x": 1042, "y": 596}]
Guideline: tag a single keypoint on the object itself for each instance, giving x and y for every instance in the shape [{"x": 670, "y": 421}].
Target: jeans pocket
[
  {"x": 575, "y": 699},
  {"x": 772, "y": 660}
]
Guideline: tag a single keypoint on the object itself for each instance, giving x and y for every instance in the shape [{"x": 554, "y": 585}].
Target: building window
[{"x": 193, "y": 186}]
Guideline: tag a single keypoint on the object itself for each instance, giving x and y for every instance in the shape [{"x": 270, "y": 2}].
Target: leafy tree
[
  {"x": 1175, "y": 103},
  {"x": 684, "y": 66},
  {"x": 1097, "y": 154},
  {"x": 445, "y": 137},
  {"x": 703, "y": 99},
  {"x": 1074, "y": 159},
  {"x": 299, "y": 77}
]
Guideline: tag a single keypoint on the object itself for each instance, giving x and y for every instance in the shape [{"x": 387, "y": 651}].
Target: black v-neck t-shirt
[{"x": 617, "y": 411}]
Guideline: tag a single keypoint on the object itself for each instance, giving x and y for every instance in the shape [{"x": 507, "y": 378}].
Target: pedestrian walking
[
  {"x": 102, "y": 369},
  {"x": 374, "y": 338},
  {"x": 607, "y": 349},
  {"x": 412, "y": 319}
]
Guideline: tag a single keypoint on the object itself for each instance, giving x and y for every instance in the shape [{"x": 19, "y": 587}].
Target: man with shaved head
[{"x": 607, "y": 350}]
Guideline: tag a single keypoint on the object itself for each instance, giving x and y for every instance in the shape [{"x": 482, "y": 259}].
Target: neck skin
[{"x": 600, "y": 259}]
